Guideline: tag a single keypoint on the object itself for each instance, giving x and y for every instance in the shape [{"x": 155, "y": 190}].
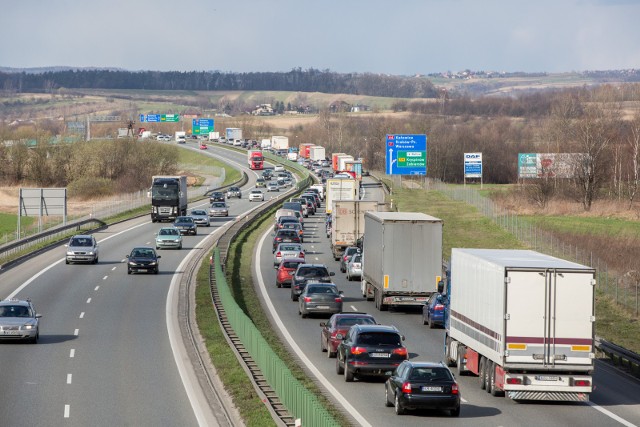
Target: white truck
[
  {"x": 340, "y": 189},
  {"x": 317, "y": 153},
  {"x": 347, "y": 223},
  {"x": 181, "y": 137},
  {"x": 265, "y": 144},
  {"x": 234, "y": 134},
  {"x": 279, "y": 142},
  {"x": 342, "y": 162},
  {"x": 214, "y": 136},
  {"x": 401, "y": 258},
  {"x": 523, "y": 322}
]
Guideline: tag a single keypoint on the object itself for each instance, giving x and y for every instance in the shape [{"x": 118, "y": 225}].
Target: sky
[{"x": 402, "y": 37}]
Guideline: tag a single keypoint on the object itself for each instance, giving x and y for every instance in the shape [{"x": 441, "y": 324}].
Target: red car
[
  {"x": 203, "y": 146},
  {"x": 336, "y": 328},
  {"x": 286, "y": 270}
]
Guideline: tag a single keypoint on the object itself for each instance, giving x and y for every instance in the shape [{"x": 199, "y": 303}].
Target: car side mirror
[
  {"x": 323, "y": 324},
  {"x": 159, "y": 256},
  {"x": 38, "y": 316},
  {"x": 127, "y": 256},
  {"x": 332, "y": 274},
  {"x": 403, "y": 337},
  {"x": 341, "y": 293},
  {"x": 339, "y": 336}
]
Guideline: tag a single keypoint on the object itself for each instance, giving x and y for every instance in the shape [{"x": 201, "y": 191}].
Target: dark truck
[{"x": 168, "y": 197}]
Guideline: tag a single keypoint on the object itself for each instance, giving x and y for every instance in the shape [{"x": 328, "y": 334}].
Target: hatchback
[
  {"x": 422, "y": 385},
  {"x": 273, "y": 186},
  {"x": 287, "y": 250},
  {"x": 433, "y": 311},
  {"x": 168, "y": 237},
  {"x": 82, "y": 248},
  {"x": 19, "y": 321},
  {"x": 319, "y": 298},
  {"x": 309, "y": 273},
  {"x": 286, "y": 269},
  {"x": 354, "y": 267},
  {"x": 285, "y": 236},
  {"x": 256, "y": 196},
  {"x": 334, "y": 330},
  {"x": 344, "y": 258}
]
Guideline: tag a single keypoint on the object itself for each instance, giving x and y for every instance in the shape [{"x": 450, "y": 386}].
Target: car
[
  {"x": 303, "y": 203},
  {"x": 82, "y": 248},
  {"x": 217, "y": 196},
  {"x": 19, "y": 321},
  {"x": 334, "y": 330},
  {"x": 313, "y": 196},
  {"x": 422, "y": 385},
  {"x": 267, "y": 174},
  {"x": 256, "y": 195},
  {"x": 286, "y": 269},
  {"x": 310, "y": 207},
  {"x": 168, "y": 237},
  {"x": 320, "y": 298},
  {"x": 203, "y": 146},
  {"x": 200, "y": 217},
  {"x": 285, "y": 236},
  {"x": 294, "y": 206},
  {"x": 218, "y": 209},
  {"x": 354, "y": 267},
  {"x": 317, "y": 273},
  {"x": 234, "y": 192},
  {"x": 294, "y": 226},
  {"x": 279, "y": 225},
  {"x": 278, "y": 168},
  {"x": 325, "y": 163},
  {"x": 143, "y": 258},
  {"x": 344, "y": 258},
  {"x": 261, "y": 183},
  {"x": 186, "y": 225},
  {"x": 287, "y": 250},
  {"x": 370, "y": 350},
  {"x": 273, "y": 186},
  {"x": 433, "y": 311}
]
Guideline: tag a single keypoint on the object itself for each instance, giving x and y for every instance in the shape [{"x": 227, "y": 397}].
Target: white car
[
  {"x": 287, "y": 250},
  {"x": 278, "y": 168},
  {"x": 256, "y": 195}
]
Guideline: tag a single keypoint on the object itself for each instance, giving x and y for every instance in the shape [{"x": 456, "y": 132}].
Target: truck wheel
[
  {"x": 492, "y": 381},
  {"x": 447, "y": 353},
  {"x": 489, "y": 368},
  {"x": 460, "y": 360},
  {"x": 482, "y": 372},
  {"x": 381, "y": 305}
]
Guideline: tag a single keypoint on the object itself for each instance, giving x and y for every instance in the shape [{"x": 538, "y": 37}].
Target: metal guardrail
[{"x": 620, "y": 356}]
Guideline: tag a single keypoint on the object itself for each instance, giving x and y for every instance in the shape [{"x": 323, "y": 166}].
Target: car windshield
[
  {"x": 169, "y": 232},
  {"x": 218, "y": 205},
  {"x": 379, "y": 338},
  {"x": 313, "y": 272},
  {"x": 350, "y": 321},
  {"x": 286, "y": 233},
  {"x": 430, "y": 374},
  {"x": 80, "y": 241},
  {"x": 142, "y": 253},
  {"x": 356, "y": 258},
  {"x": 15, "y": 311},
  {"x": 184, "y": 219}
]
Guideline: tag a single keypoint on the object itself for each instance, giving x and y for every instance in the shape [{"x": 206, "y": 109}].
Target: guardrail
[{"x": 621, "y": 357}]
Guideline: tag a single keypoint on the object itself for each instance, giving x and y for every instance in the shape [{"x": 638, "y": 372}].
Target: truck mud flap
[{"x": 548, "y": 395}]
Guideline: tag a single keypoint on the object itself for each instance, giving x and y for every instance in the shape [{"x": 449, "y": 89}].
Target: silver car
[
  {"x": 168, "y": 237},
  {"x": 354, "y": 267},
  {"x": 322, "y": 298},
  {"x": 82, "y": 248},
  {"x": 218, "y": 209},
  {"x": 19, "y": 321},
  {"x": 200, "y": 217},
  {"x": 287, "y": 250},
  {"x": 273, "y": 186},
  {"x": 256, "y": 195}
]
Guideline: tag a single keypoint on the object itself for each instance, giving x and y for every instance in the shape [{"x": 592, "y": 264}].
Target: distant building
[{"x": 263, "y": 110}]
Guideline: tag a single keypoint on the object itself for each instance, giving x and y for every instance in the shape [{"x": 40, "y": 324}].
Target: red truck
[{"x": 255, "y": 159}]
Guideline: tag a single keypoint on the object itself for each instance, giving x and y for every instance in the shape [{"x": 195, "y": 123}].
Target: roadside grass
[
  {"x": 9, "y": 224},
  {"x": 231, "y": 373},
  {"x": 610, "y": 227},
  {"x": 188, "y": 157},
  {"x": 240, "y": 261}
]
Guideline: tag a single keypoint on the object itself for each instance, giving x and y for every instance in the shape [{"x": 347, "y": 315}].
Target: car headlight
[
  {"x": 29, "y": 326},
  {"x": 132, "y": 263},
  {"x": 152, "y": 263}
]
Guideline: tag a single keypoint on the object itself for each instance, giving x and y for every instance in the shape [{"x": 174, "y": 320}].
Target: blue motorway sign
[
  {"x": 151, "y": 118},
  {"x": 201, "y": 126},
  {"x": 473, "y": 165},
  {"x": 406, "y": 155}
]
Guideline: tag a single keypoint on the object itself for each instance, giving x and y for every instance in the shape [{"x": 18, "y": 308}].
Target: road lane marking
[
  {"x": 96, "y": 288},
  {"x": 611, "y": 415},
  {"x": 67, "y": 409},
  {"x": 69, "y": 378},
  {"x": 88, "y": 300},
  {"x": 353, "y": 307},
  {"x": 76, "y": 332},
  {"x": 72, "y": 353},
  {"x": 113, "y": 268},
  {"x": 82, "y": 315},
  {"x": 105, "y": 278}
]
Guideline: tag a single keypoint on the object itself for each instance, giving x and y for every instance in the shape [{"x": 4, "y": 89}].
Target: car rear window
[
  {"x": 291, "y": 264},
  {"x": 322, "y": 290},
  {"x": 350, "y": 321},
  {"x": 430, "y": 374},
  {"x": 313, "y": 272},
  {"x": 379, "y": 338}
]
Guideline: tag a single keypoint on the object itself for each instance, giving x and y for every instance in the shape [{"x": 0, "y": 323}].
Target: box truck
[
  {"x": 523, "y": 322},
  {"x": 168, "y": 197},
  {"x": 347, "y": 223},
  {"x": 265, "y": 144},
  {"x": 401, "y": 258},
  {"x": 316, "y": 153},
  {"x": 340, "y": 189},
  {"x": 354, "y": 166},
  {"x": 342, "y": 162},
  {"x": 304, "y": 150},
  {"x": 234, "y": 134},
  {"x": 334, "y": 160},
  {"x": 255, "y": 159},
  {"x": 181, "y": 137},
  {"x": 279, "y": 142},
  {"x": 214, "y": 136}
]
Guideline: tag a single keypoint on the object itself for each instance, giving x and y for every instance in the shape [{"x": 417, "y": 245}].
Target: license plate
[
  {"x": 431, "y": 388},
  {"x": 10, "y": 332},
  {"x": 381, "y": 355},
  {"x": 547, "y": 378},
  {"x": 323, "y": 307}
]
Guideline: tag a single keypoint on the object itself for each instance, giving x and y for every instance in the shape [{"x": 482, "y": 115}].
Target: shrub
[{"x": 88, "y": 187}]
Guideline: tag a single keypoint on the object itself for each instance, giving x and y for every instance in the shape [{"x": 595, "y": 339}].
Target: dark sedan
[
  {"x": 143, "y": 259},
  {"x": 217, "y": 196},
  {"x": 423, "y": 385},
  {"x": 319, "y": 298},
  {"x": 285, "y": 236},
  {"x": 186, "y": 225}
]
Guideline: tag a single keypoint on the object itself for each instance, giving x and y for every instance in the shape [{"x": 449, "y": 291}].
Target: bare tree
[{"x": 633, "y": 140}]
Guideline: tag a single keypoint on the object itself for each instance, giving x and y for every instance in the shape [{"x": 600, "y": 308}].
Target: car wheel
[
  {"x": 339, "y": 367},
  {"x": 322, "y": 347},
  {"x": 95, "y": 261},
  {"x": 387, "y": 403},
  {"x": 128, "y": 271},
  {"x": 348, "y": 375},
  {"x": 492, "y": 381},
  {"x": 156, "y": 270},
  {"x": 399, "y": 408},
  {"x": 431, "y": 324},
  {"x": 424, "y": 319},
  {"x": 460, "y": 360},
  {"x": 180, "y": 247},
  {"x": 66, "y": 261},
  {"x": 455, "y": 412},
  {"x": 304, "y": 315},
  {"x": 279, "y": 285}
]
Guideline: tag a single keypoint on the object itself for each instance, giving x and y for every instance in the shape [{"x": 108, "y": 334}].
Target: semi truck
[
  {"x": 342, "y": 162},
  {"x": 279, "y": 142},
  {"x": 304, "y": 150},
  {"x": 334, "y": 160},
  {"x": 340, "y": 189},
  {"x": 234, "y": 134},
  {"x": 355, "y": 167},
  {"x": 523, "y": 322},
  {"x": 168, "y": 197},
  {"x": 316, "y": 153},
  {"x": 347, "y": 223},
  {"x": 255, "y": 159},
  {"x": 401, "y": 258}
]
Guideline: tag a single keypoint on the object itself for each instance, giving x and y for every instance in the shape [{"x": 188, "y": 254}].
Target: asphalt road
[
  {"x": 615, "y": 402},
  {"x": 106, "y": 355}
]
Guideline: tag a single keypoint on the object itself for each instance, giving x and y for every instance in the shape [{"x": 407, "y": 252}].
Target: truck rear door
[{"x": 549, "y": 317}]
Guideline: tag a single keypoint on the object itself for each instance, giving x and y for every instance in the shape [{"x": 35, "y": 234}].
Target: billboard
[
  {"x": 473, "y": 165},
  {"x": 547, "y": 165},
  {"x": 406, "y": 155}
]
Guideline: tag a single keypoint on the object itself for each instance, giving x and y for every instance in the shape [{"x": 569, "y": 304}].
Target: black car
[
  {"x": 216, "y": 196},
  {"x": 306, "y": 273},
  {"x": 186, "y": 225},
  {"x": 285, "y": 236},
  {"x": 234, "y": 192},
  {"x": 143, "y": 258},
  {"x": 418, "y": 385},
  {"x": 370, "y": 350}
]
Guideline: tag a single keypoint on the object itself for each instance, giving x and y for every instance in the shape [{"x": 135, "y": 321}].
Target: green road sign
[
  {"x": 412, "y": 159},
  {"x": 170, "y": 118}
]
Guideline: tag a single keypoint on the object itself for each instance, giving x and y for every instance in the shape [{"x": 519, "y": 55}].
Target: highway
[
  {"x": 615, "y": 402},
  {"x": 109, "y": 352}
]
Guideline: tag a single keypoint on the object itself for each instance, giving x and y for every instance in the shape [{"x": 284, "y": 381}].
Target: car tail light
[
  {"x": 406, "y": 387},
  {"x": 454, "y": 389},
  {"x": 514, "y": 380},
  {"x": 582, "y": 383},
  {"x": 338, "y": 299},
  {"x": 278, "y": 254},
  {"x": 301, "y": 255},
  {"x": 400, "y": 351},
  {"x": 438, "y": 307},
  {"x": 358, "y": 350},
  {"x": 307, "y": 299}
]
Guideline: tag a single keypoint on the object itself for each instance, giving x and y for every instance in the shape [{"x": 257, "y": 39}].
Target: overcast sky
[{"x": 395, "y": 37}]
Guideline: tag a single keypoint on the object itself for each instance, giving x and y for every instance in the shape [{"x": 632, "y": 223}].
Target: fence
[{"x": 624, "y": 293}]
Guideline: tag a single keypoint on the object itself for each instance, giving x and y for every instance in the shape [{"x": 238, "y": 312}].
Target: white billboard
[{"x": 473, "y": 165}]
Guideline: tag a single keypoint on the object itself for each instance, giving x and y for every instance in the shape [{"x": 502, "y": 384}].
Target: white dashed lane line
[
  {"x": 113, "y": 268},
  {"x": 96, "y": 288},
  {"x": 72, "y": 353},
  {"x": 88, "y": 300},
  {"x": 67, "y": 410},
  {"x": 76, "y": 332},
  {"x": 105, "y": 278},
  {"x": 69, "y": 376},
  {"x": 82, "y": 315}
]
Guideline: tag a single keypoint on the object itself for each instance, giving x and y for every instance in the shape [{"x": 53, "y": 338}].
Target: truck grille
[
  {"x": 165, "y": 210},
  {"x": 548, "y": 395}
]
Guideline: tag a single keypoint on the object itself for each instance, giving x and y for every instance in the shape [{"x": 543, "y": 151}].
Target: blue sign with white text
[{"x": 406, "y": 155}]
